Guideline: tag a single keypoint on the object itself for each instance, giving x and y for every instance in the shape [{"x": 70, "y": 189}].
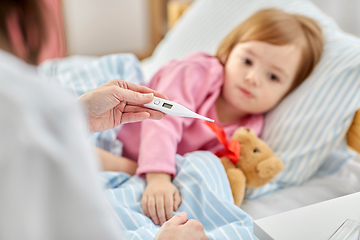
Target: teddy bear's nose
[{"x": 247, "y": 129}]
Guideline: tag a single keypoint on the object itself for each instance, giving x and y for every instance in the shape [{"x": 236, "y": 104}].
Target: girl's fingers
[
  {"x": 152, "y": 209},
  {"x": 160, "y": 208},
  {"x": 144, "y": 203},
  {"x": 177, "y": 200},
  {"x": 169, "y": 206}
]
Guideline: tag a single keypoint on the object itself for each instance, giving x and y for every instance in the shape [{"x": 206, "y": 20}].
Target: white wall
[
  {"x": 97, "y": 27},
  {"x": 345, "y": 12}
]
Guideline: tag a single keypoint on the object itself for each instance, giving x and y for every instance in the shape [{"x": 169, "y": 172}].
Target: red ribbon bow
[{"x": 232, "y": 149}]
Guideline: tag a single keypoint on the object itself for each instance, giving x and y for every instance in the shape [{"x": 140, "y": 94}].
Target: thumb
[
  {"x": 179, "y": 219},
  {"x": 135, "y": 97}
]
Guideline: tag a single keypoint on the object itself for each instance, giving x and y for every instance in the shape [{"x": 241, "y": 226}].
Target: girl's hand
[{"x": 160, "y": 197}]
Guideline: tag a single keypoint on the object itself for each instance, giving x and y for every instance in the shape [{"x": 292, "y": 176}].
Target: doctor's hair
[
  {"x": 23, "y": 27},
  {"x": 277, "y": 27}
]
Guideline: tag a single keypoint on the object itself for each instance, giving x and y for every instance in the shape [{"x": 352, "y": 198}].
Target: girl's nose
[{"x": 252, "y": 79}]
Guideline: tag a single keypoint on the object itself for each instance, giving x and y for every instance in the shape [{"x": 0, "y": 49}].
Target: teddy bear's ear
[
  {"x": 243, "y": 135},
  {"x": 269, "y": 167}
]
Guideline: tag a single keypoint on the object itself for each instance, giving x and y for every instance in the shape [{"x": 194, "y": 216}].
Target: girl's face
[{"x": 258, "y": 75}]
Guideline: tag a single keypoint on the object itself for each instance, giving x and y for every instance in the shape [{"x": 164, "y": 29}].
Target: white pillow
[{"x": 310, "y": 123}]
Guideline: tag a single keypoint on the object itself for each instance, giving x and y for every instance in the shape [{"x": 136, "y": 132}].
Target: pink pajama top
[{"x": 194, "y": 82}]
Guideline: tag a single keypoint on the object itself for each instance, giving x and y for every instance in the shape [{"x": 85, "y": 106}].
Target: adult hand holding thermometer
[{"x": 173, "y": 108}]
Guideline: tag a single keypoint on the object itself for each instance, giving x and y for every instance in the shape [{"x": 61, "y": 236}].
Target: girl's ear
[{"x": 223, "y": 60}]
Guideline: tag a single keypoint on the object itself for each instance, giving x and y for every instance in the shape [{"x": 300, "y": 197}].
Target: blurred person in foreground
[{"x": 48, "y": 185}]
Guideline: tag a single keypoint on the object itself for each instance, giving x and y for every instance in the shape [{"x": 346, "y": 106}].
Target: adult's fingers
[
  {"x": 134, "y": 117},
  {"x": 133, "y": 96},
  {"x": 195, "y": 225},
  {"x": 134, "y": 87},
  {"x": 143, "y": 89},
  {"x": 157, "y": 115},
  {"x": 179, "y": 219}
]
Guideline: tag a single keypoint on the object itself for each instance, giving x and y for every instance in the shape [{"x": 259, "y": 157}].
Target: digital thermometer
[{"x": 172, "y": 108}]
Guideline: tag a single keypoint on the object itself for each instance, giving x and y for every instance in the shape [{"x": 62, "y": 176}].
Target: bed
[
  {"x": 211, "y": 21},
  {"x": 319, "y": 165}
]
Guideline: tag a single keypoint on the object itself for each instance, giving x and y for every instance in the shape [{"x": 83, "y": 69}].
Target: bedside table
[{"x": 318, "y": 221}]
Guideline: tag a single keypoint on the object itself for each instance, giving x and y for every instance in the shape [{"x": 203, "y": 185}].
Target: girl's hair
[
  {"x": 25, "y": 18},
  {"x": 279, "y": 28}
]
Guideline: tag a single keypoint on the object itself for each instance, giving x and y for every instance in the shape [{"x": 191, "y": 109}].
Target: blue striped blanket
[
  {"x": 201, "y": 178},
  {"x": 206, "y": 196}
]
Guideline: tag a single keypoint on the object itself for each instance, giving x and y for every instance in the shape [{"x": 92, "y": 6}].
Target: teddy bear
[{"x": 248, "y": 161}]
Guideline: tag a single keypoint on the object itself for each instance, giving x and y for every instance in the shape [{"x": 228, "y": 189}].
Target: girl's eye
[
  {"x": 273, "y": 77},
  {"x": 247, "y": 61}
]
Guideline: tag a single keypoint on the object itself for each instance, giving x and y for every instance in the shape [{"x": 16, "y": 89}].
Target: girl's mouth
[{"x": 246, "y": 93}]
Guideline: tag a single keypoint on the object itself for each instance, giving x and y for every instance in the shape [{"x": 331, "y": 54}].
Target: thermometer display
[
  {"x": 173, "y": 108},
  {"x": 169, "y": 106}
]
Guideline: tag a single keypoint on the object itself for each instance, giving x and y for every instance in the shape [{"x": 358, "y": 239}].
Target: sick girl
[{"x": 259, "y": 63}]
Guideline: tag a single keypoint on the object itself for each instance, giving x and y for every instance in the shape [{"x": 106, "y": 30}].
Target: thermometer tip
[{"x": 210, "y": 120}]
